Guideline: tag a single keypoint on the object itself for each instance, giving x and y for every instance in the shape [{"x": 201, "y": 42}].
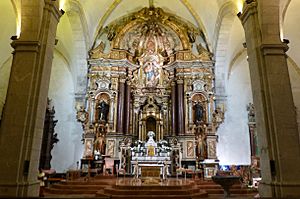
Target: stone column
[
  {"x": 174, "y": 108},
  {"x": 180, "y": 107},
  {"x": 252, "y": 139},
  {"x": 127, "y": 109},
  {"x": 24, "y": 112},
  {"x": 121, "y": 97},
  {"x": 278, "y": 137}
]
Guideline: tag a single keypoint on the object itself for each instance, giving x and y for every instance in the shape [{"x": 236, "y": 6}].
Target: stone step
[
  {"x": 69, "y": 191},
  {"x": 233, "y": 191},
  {"x": 78, "y": 187},
  {"x": 189, "y": 196},
  {"x": 113, "y": 191},
  {"x": 145, "y": 187},
  {"x": 99, "y": 182}
]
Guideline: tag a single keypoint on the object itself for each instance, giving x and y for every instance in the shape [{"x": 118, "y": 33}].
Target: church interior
[{"x": 176, "y": 95}]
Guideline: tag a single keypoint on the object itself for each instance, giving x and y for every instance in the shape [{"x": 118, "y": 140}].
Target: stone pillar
[
  {"x": 252, "y": 136},
  {"x": 278, "y": 137},
  {"x": 24, "y": 112},
  {"x": 127, "y": 109},
  {"x": 174, "y": 108},
  {"x": 180, "y": 107},
  {"x": 121, "y": 97}
]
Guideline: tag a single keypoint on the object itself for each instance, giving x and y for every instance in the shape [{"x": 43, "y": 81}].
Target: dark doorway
[{"x": 150, "y": 124}]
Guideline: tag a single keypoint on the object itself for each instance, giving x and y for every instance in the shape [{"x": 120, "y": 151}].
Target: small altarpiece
[{"x": 151, "y": 71}]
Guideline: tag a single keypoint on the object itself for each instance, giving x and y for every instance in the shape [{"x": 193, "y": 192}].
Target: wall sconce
[
  {"x": 249, "y": 1},
  {"x": 62, "y": 11},
  {"x": 14, "y": 37},
  {"x": 239, "y": 14},
  {"x": 286, "y": 41}
]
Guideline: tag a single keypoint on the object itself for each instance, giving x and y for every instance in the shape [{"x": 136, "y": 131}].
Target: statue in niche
[
  {"x": 103, "y": 108},
  {"x": 99, "y": 144},
  {"x": 88, "y": 149},
  {"x": 198, "y": 112},
  {"x": 190, "y": 149},
  {"x": 201, "y": 146}
]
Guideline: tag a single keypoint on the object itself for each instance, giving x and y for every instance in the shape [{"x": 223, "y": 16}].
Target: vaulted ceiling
[{"x": 202, "y": 13}]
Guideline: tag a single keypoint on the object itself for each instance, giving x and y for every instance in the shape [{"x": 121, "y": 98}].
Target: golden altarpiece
[{"x": 151, "y": 71}]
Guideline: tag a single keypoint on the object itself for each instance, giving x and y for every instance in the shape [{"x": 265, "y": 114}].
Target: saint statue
[
  {"x": 99, "y": 144},
  {"x": 198, "y": 112},
  {"x": 103, "y": 111},
  {"x": 201, "y": 146}
]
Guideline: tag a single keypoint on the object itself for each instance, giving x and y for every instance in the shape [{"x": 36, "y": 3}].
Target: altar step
[
  {"x": 78, "y": 187},
  {"x": 212, "y": 188},
  {"x": 107, "y": 188},
  {"x": 153, "y": 191}
]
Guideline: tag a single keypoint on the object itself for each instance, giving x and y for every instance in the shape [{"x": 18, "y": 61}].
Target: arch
[
  {"x": 77, "y": 27},
  {"x": 110, "y": 9},
  {"x": 223, "y": 30},
  {"x": 77, "y": 14},
  {"x": 150, "y": 124},
  {"x": 238, "y": 55},
  {"x": 17, "y": 8},
  {"x": 227, "y": 10},
  {"x": 284, "y": 4},
  {"x": 187, "y": 4}
]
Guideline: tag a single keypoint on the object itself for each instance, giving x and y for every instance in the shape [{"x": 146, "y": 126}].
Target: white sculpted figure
[
  {"x": 136, "y": 170},
  {"x": 151, "y": 134}
]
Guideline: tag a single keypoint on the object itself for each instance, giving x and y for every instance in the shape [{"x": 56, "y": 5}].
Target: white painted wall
[
  {"x": 69, "y": 149},
  {"x": 294, "y": 72},
  {"x": 4, "y": 80},
  {"x": 8, "y": 29},
  {"x": 234, "y": 143},
  {"x": 291, "y": 32}
]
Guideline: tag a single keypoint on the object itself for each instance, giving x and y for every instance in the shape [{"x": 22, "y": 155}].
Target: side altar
[{"x": 151, "y": 71}]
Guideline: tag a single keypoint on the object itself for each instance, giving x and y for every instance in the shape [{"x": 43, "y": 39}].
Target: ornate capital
[{"x": 180, "y": 81}]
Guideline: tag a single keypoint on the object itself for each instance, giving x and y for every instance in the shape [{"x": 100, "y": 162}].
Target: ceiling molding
[
  {"x": 237, "y": 55},
  {"x": 76, "y": 6},
  {"x": 197, "y": 18},
  {"x": 294, "y": 65},
  {"x": 227, "y": 9},
  {"x": 110, "y": 9}
]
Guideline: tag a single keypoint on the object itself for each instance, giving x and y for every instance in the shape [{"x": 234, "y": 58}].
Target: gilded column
[
  {"x": 120, "y": 121},
  {"x": 190, "y": 108},
  {"x": 111, "y": 114},
  {"x": 180, "y": 97},
  {"x": 127, "y": 109},
  {"x": 92, "y": 111},
  {"x": 174, "y": 108}
]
